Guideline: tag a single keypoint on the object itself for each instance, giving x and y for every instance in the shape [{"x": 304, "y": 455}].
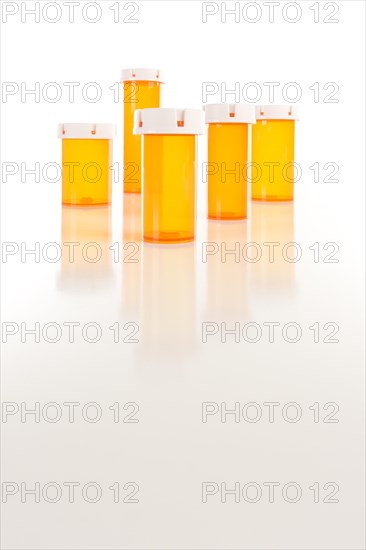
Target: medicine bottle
[
  {"x": 141, "y": 90},
  {"x": 273, "y": 153},
  {"x": 169, "y": 172},
  {"x": 86, "y": 163},
  {"x": 227, "y": 159}
]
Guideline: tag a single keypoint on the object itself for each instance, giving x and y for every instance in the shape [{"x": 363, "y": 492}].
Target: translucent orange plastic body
[
  {"x": 86, "y": 172},
  {"x": 273, "y": 144},
  {"x": 169, "y": 197},
  {"x": 139, "y": 94},
  {"x": 227, "y": 171}
]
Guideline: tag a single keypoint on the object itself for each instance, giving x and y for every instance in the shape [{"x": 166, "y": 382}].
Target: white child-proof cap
[
  {"x": 277, "y": 112},
  {"x": 233, "y": 113},
  {"x": 169, "y": 121},
  {"x": 75, "y": 130},
  {"x": 153, "y": 75}
]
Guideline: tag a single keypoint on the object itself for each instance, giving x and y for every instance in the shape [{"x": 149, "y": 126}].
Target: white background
[{"x": 169, "y": 292}]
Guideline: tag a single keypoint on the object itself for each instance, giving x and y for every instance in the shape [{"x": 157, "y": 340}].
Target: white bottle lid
[
  {"x": 169, "y": 121},
  {"x": 277, "y": 112},
  {"x": 153, "y": 75},
  {"x": 234, "y": 113},
  {"x": 76, "y": 130}
]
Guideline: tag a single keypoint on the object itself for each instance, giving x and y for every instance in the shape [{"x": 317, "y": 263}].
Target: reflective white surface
[{"x": 161, "y": 300}]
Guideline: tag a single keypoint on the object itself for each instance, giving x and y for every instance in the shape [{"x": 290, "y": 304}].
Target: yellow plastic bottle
[
  {"x": 141, "y": 90},
  {"x": 273, "y": 153},
  {"x": 227, "y": 159},
  {"x": 86, "y": 163},
  {"x": 169, "y": 172}
]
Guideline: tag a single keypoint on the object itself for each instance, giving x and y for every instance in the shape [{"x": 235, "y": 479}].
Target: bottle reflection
[
  {"x": 86, "y": 238},
  {"x": 168, "y": 316},
  {"x": 132, "y": 217},
  {"x": 272, "y": 229},
  {"x": 131, "y": 255},
  {"x": 226, "y": 270}
]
